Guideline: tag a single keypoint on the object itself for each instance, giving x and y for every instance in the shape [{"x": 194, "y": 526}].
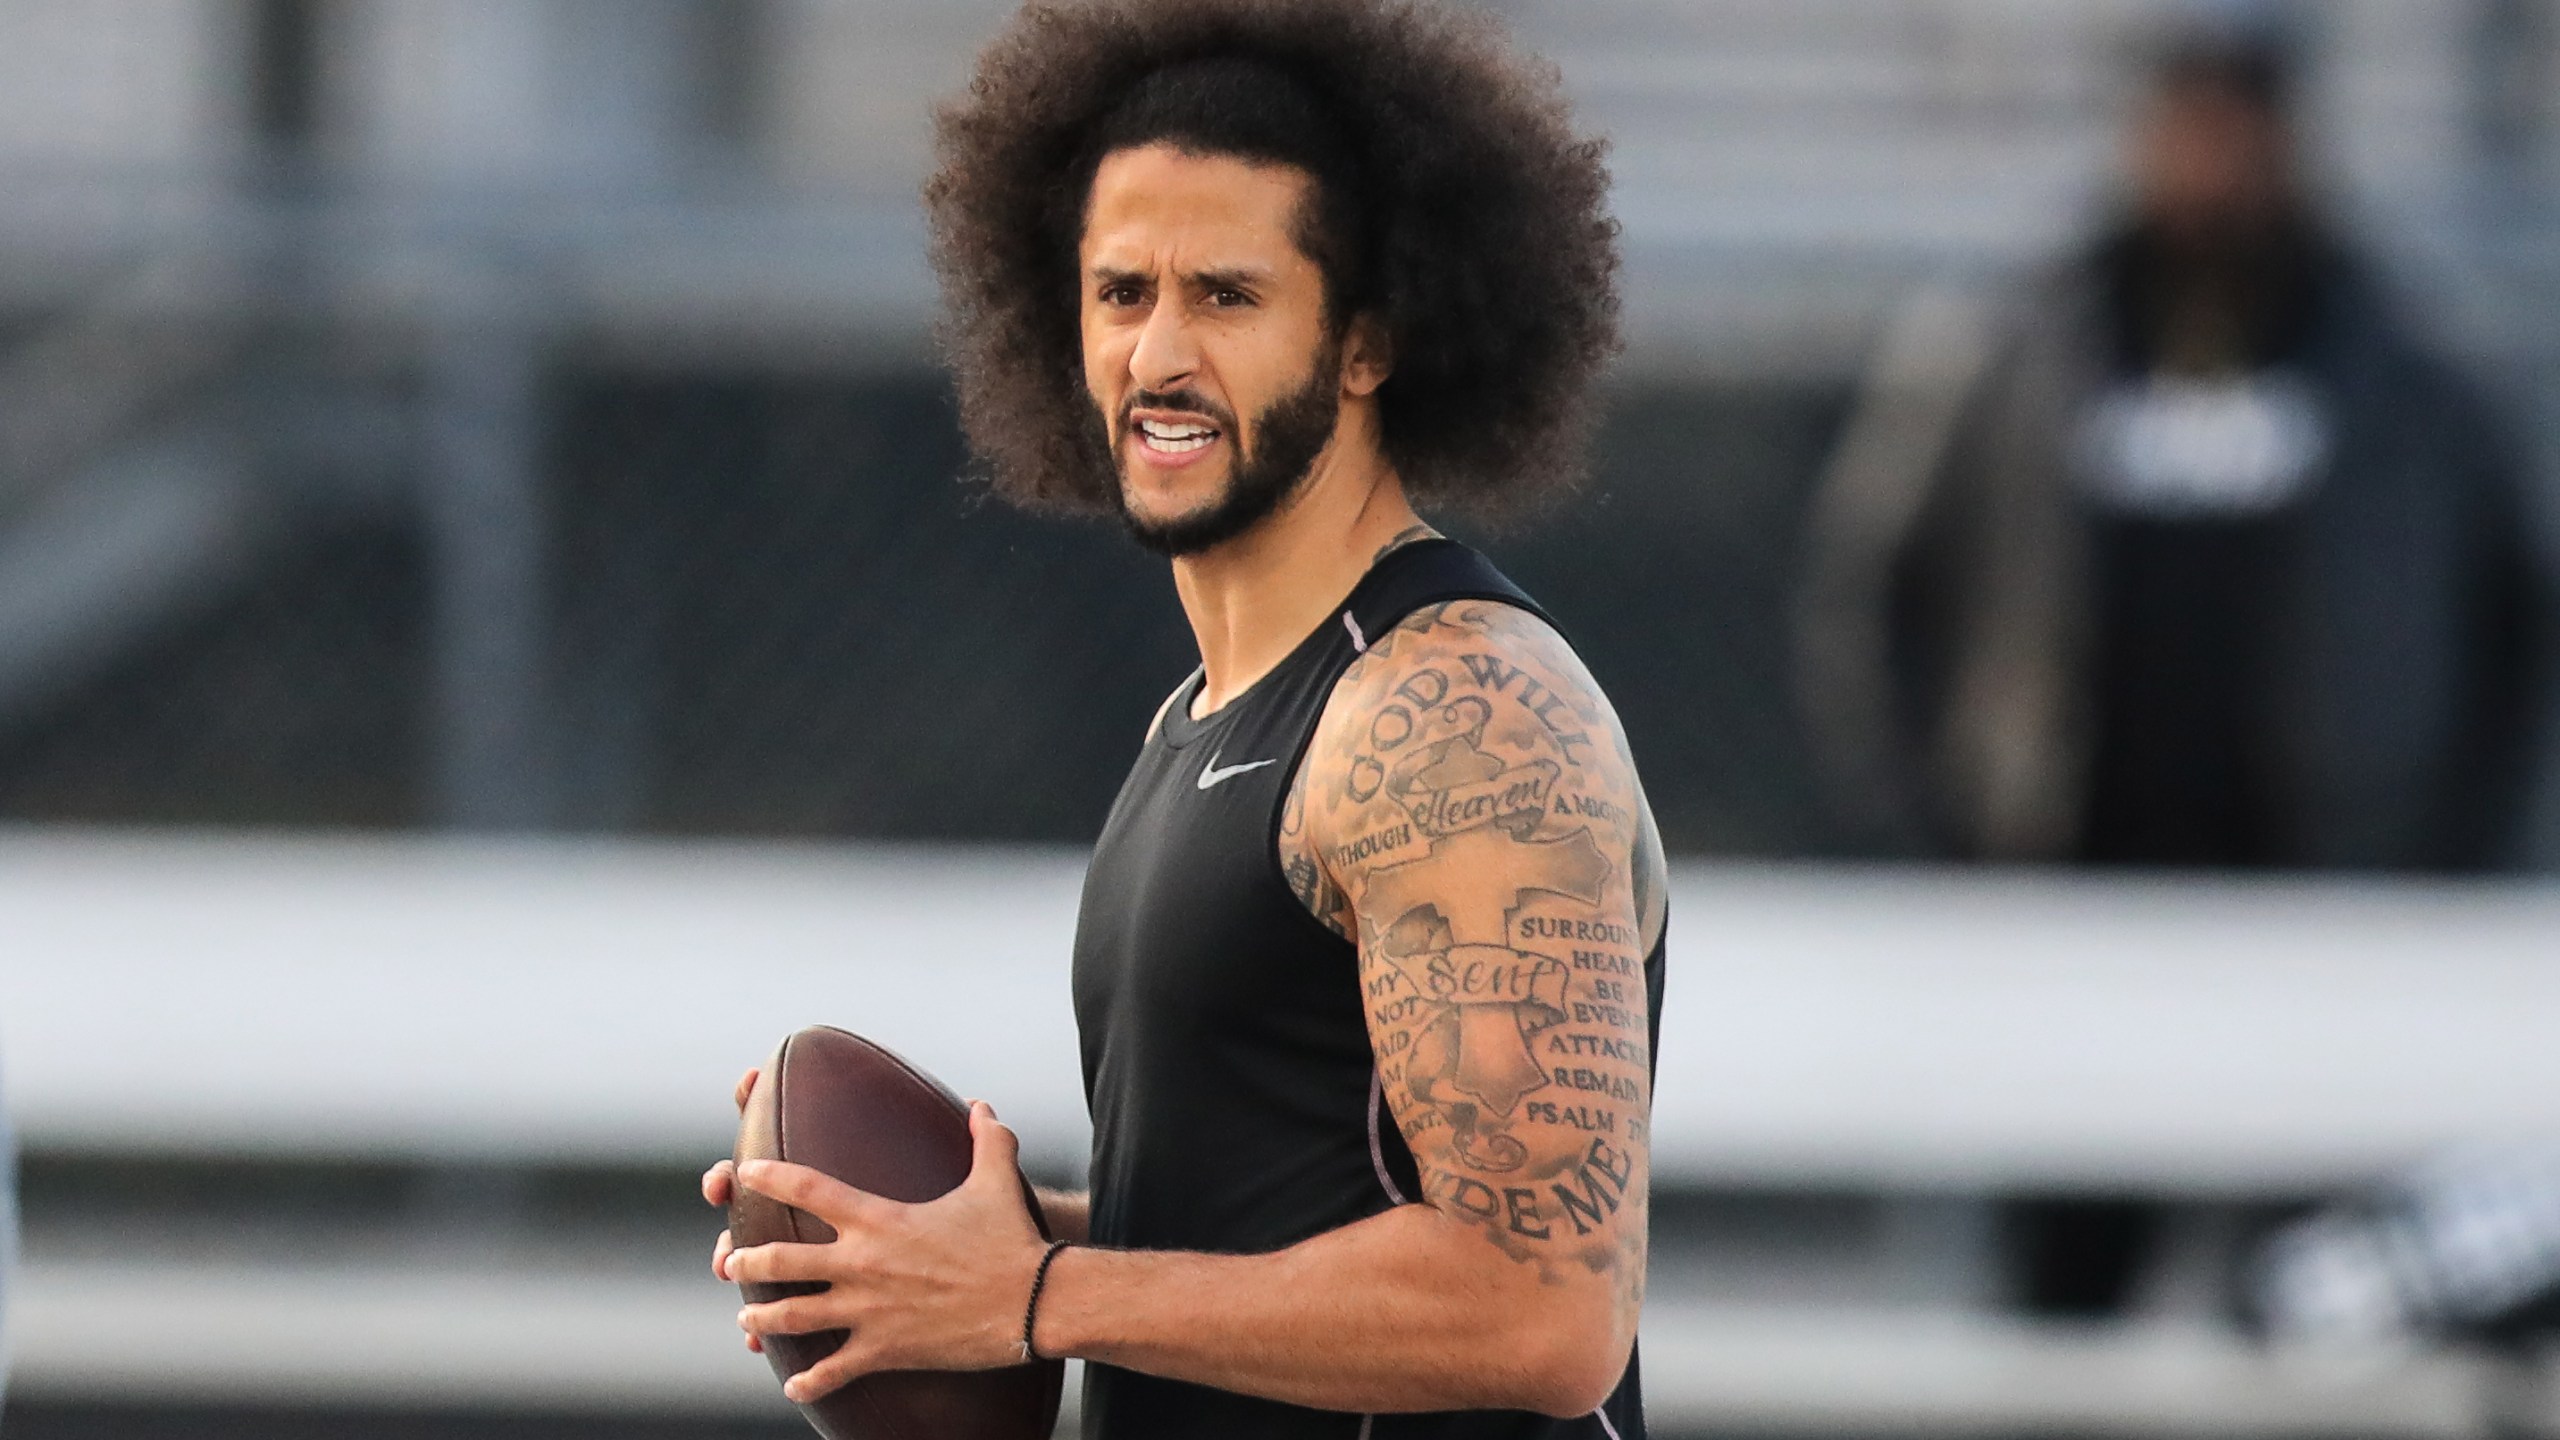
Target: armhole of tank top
[
  {"x": 1273, "y": 867},
  {"x": 1164, "y": 707}
]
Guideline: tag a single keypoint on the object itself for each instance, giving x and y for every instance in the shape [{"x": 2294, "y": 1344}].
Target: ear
[{"x": 1367, "y": 356}]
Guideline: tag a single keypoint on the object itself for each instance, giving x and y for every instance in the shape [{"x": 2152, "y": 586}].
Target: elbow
[{"x": 1576, "y": 1368}]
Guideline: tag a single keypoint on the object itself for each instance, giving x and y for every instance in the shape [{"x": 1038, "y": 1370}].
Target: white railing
[
  {"x": 515, "y": 1000},
  {"x": 539, "y": 1003}
]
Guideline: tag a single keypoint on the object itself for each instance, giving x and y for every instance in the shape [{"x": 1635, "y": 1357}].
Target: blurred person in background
[{"x": 2191, "y": 555}]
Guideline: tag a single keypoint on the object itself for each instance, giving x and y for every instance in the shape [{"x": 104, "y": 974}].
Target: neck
[{"x": 1251, "y": 600}]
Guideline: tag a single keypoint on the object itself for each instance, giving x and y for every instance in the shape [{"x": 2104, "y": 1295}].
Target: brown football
[{"x": 835, "y": 1102}]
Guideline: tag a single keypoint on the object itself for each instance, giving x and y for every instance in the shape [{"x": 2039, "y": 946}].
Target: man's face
[{"x": 1215, "y": 379}]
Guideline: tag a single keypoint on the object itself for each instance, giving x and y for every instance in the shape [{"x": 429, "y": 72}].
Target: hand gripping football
[{"x": 835, "y": 1102}]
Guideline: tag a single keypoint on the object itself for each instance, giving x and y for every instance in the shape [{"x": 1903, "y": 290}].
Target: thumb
[{"x": 996, "y": 1154}]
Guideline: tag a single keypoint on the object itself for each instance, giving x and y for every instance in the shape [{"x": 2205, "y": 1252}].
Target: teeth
[{"x": 1175, "y": 437}]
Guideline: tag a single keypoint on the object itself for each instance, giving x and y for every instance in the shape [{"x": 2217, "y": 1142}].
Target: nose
[{"x": 1166, "y": 356}]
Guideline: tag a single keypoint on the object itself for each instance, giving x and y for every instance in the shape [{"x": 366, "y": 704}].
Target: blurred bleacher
[
  {"x": 518, "y": 417},
  {"x": 499, "y": 414}
]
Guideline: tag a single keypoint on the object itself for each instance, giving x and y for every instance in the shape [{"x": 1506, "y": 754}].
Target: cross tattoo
[{"x": 1489, "y": 998}]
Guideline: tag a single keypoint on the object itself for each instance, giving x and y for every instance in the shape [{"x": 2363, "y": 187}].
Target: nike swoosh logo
[{"x": 1215, "y": 776}]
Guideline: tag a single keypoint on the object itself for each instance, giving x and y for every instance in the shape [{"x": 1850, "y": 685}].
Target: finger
[
  {"x": 837, "y": 1370},
  {"x": 755, "y": 1344},
  {"x": 746, "y": 1087},
  {"x": 797, "y": 1315},
  {"x": 719, "y": 1182},
  {"x": 996, "y": 1158},
  {"x": 720, "y": 1256},
  {"x": 778, "y": 1262},
  {"x": 815, "y": 1191}
]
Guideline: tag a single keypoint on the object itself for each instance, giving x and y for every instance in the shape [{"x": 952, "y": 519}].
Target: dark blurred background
[{"x": 524, "y": 417}]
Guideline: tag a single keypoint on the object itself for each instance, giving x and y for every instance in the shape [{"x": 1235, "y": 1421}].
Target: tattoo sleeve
[{"x": 1469, "y": 814}]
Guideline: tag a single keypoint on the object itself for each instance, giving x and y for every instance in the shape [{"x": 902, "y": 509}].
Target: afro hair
[{"x": 1480, "y": 237}]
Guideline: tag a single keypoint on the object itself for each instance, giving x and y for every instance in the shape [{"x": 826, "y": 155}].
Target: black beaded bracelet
[{"x": 1039, "y": 1282}]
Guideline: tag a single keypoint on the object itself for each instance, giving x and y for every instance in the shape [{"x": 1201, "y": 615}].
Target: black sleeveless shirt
[{"x": 1235, "y": 1100}]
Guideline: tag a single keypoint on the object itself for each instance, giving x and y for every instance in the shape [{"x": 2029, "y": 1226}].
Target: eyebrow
[{"x": 1237, "y": 277}]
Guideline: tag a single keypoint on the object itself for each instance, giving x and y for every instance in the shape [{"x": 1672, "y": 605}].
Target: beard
[{"x": 1288, "y": 435}]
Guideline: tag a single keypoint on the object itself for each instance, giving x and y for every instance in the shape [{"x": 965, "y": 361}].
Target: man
[
  {"x": 1370, "y": 957},
  {"x": 2197, "y": 558}
]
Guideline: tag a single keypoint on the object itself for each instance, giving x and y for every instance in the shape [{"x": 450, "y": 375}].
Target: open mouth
[{"x": 1175, "y": 437}]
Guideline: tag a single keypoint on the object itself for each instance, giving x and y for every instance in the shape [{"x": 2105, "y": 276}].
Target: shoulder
[
  {"x": 1472, "y": 717},
  {"x": 1483, "y": 660},
  {"x": 1467, "y": 716}
]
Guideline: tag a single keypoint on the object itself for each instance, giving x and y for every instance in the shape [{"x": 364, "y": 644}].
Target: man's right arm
[{"x": 1069, "y": 1213}]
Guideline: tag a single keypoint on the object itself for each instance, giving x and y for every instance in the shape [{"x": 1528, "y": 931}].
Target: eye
[
  {"x": 1122, "y": 292},
  {"x": 1227, "y": 297}
]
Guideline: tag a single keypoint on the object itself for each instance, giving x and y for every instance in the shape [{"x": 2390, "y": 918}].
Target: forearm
[
  {"x": 1068, "y": 1214},
  {"x": 1404, "y": 1311}
]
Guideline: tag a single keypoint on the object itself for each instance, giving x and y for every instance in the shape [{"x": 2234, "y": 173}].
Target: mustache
[{"x": 1191, "y": 401}]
